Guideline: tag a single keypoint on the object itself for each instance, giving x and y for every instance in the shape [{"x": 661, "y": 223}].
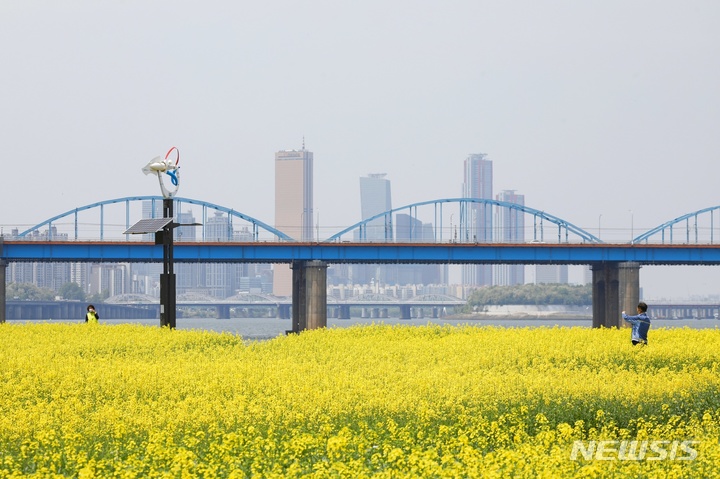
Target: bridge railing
[
  {"x": 108, "y": 219},
  {"x": 448, "y": 220},
  {"x": 451, "y": 220},
  {"x": 698, "y": 227},
  {"x": 464, "y": 220}
]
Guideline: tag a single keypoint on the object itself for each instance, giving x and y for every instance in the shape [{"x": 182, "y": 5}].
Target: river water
[{"x": 268, "y": 328}]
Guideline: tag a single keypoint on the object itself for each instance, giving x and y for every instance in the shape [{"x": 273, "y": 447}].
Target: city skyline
[{"x": 601, "y": 113}]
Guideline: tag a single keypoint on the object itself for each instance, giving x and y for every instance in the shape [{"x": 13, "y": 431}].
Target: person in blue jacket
[{"x": 640, "y": 324}]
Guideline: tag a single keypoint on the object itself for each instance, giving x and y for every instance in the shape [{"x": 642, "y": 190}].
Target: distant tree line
[
  {"x": 532, "y": 294},
  {"x": 69, "y": 291}
]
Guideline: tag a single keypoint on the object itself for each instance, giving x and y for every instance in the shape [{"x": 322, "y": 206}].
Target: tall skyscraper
[
  {"x": 293, "y": 206},
  {"x": 510, "y": 229},
  {"x": 410, "y": 230},
  {"x": 219, "y": 276},
  {"x": 478, "y": 184},
  {"x": 188, "y": 276},
  {"x": 375, "y": 198}
]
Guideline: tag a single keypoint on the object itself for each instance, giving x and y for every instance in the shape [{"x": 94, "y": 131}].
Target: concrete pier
[
  {"x": 309, "y": 295},
  {"x": 616, "y": 288},
  {"x": 606, "y": 297},
  {"x": 3, "y": 269},
  {"x": 223, "y": 311},
  {"x": 629, "y": 277}
]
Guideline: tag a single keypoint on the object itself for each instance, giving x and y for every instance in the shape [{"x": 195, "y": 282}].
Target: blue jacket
[{"x": 640, "y": 326}]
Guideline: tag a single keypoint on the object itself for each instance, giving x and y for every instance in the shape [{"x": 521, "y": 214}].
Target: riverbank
[{"x": 527, "y": 312}]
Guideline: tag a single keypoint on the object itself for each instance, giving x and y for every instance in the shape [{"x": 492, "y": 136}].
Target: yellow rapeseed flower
[{"x": 364, "y": 401}]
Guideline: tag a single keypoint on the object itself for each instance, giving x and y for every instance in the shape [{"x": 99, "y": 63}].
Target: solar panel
[{"x": 148, "y": 225}]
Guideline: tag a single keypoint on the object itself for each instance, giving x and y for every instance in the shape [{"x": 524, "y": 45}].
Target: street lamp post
[
  {"x": 599, "y": 226},
  {"x": 168, "y": 301}
]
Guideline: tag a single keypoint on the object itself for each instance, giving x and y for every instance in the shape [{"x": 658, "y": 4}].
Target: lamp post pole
[
  {"x": 168, "y": 300},
  {"x": 164, "y": 237}
]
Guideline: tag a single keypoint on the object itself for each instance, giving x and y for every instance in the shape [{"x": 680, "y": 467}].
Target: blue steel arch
[
  {"x": 257, "y": 224},
  {"x": 539, "y": 216},
  {"x": 668, "y": 227}
]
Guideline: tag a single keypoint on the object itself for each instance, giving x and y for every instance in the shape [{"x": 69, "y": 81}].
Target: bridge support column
[
  {"x": 606, "y": 295},
  {"x": 405, "y": 311},
  {"x": 309, "y": 295},
  {"x": 284, "y": 311},
  {"x": 223, "y": 312},
  {"x": 3, "y": 304},
  {"x": 616, "y": 288},
  {"x": 344, "y": 312},
  {"x": 629, "y": 277}
]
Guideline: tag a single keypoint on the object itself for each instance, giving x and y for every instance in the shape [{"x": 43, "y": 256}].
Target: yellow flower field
[{"x": 375, "y": 401}]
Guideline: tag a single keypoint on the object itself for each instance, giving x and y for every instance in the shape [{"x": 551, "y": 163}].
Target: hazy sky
[{"x": 600, "y": 112}]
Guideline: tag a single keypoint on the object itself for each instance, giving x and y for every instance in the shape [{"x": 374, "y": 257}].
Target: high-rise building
[
  {"x": 219, "y": 276},
  {"x": 375, "y": 198},
  {"x": 189, "y": 277},
  {"x": 478, "y": 183},
  {"x": 146, "y": 276},
  {"x": 510, "y": 229},
  {"x": 109, "y": 279},
  {"x": 293, "y": 206},
  {"x": 409, "y": 230}
]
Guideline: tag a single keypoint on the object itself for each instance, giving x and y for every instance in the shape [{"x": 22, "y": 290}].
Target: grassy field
[{"x": 373, "y": 401}]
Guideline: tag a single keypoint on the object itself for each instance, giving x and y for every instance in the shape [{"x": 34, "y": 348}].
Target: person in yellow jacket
[{"x": 91, "y": 316}]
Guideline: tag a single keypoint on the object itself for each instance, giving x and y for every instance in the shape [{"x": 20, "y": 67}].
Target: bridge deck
[{"x": 286, "y": 252}]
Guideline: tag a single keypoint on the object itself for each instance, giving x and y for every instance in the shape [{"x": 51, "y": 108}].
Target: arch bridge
[
  {"x": 470, "y": 214},
  {"x": 698, "y": 227},
  {"x": 615, "y": 267}
]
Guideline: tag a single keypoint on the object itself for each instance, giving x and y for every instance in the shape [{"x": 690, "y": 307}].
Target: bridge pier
[
  {"x": 309, "y": 295},
  {"x": 3, "y": 303},
  {"x": 616, "y": 288},
  {"x": 629, "y": 276},
  {"x": 223, "y": 311},
  {"x": 605, "y": 292},
  {"x": 284, "y": 311},
  {"x": 405, "y": 311}
]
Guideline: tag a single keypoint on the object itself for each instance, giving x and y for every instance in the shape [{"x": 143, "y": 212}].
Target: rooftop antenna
[{"x": 303, "y": 142}]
